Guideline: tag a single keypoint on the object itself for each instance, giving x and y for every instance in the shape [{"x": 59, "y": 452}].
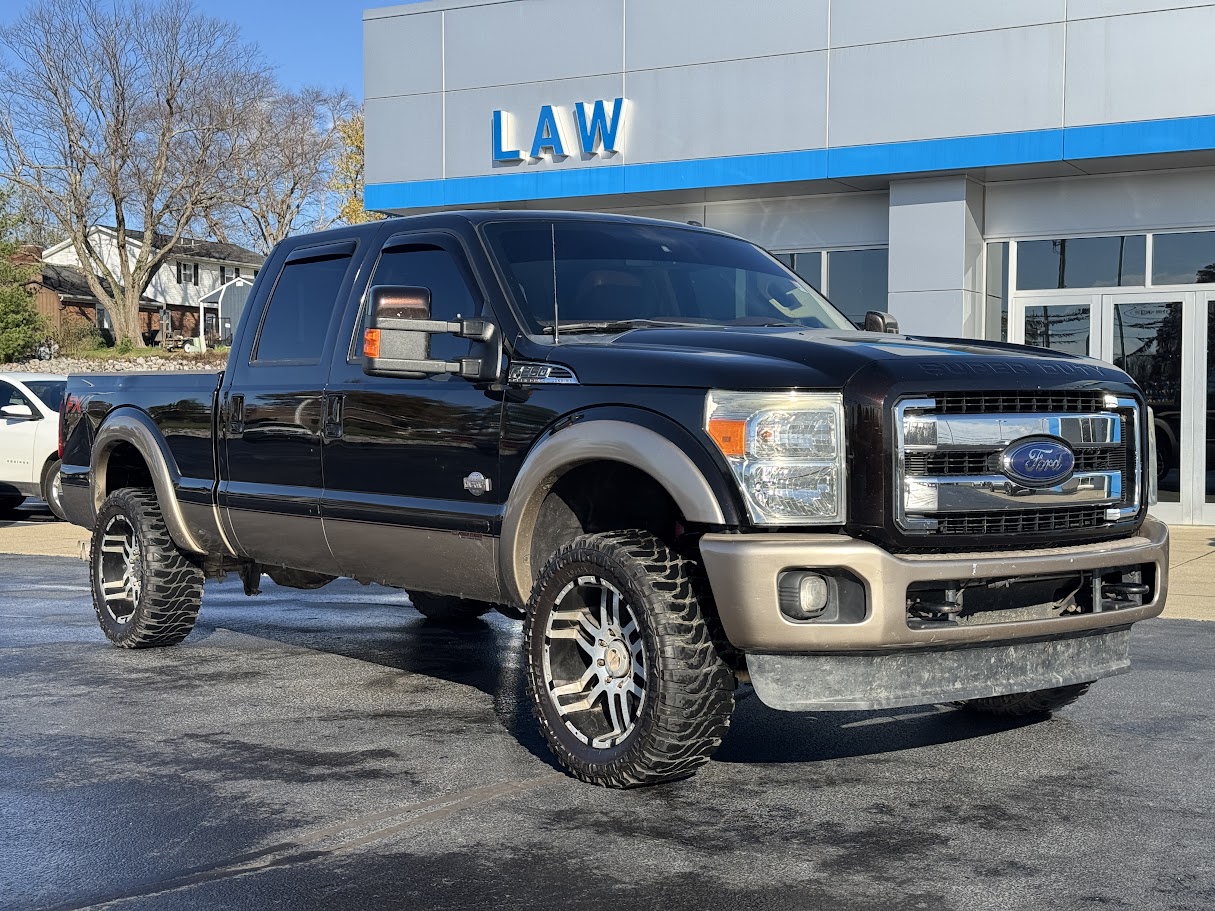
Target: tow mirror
[
  {"x": 23, "y": 412},
  {"x": 396, "y": 339},
  {"x": 880, "y": 321}
]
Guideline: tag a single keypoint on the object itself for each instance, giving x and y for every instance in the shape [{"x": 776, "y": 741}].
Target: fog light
[{"x": 803, "y": 596}]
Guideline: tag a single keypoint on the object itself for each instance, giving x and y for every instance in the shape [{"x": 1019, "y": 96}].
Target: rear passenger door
[
  {"x": 274, "y": 408},
  {"x": 411, "y": 464}
]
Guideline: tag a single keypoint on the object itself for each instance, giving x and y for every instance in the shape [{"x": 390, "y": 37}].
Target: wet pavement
[{"x": 333, "y": 750}]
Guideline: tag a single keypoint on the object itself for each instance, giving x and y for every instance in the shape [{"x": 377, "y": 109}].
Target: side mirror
[
  {"x": 880, "y": 321},
  {"x": 23, "y": 412},
  {"x": 396, "y": 340}
]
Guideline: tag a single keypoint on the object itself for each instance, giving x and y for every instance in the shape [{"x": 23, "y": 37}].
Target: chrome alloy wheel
[
  {"x": 594, "y": 662},
  {"x": 120, "y": 568}
]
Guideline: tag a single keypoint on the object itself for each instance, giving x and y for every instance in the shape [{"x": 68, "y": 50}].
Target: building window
[
  {"x": 1183, "y": 259},
  {"x": 856, "y": 281},
  {"x": 1082, "y": 262},
  {"x": 236, "y": 272},
  {"x": 995, "y": 299},
  {"x": 187, "y": 273},
  {"x": 223, "y": 275}
]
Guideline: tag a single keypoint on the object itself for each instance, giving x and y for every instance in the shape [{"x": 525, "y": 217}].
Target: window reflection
[
  {"x": 1061, "y": 328},
  {"x": 1183, "y": 259},
  {"x": 1147, "y": 345},
  {"x": 1082, "y": 262}
]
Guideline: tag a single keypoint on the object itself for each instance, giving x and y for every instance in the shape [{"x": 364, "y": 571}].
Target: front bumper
[
  {"x": 853, "y": 682},
  {"x": 743, "y": 571}
]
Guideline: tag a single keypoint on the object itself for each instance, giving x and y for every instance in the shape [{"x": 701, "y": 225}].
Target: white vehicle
[{"x": 29, "y": 439}]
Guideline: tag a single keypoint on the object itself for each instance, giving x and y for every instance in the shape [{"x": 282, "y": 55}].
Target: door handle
[
  {"x": 236, "y": 414},
  {"x": 333, "y": 416}
]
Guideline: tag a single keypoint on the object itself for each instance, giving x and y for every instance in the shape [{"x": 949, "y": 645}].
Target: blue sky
[{"x": 311, "y": 42}]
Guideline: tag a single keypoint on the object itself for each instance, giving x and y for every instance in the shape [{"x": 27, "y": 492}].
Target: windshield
[
  {"x": 49, "y": 391},
  {"x": 603, "y": 276}
]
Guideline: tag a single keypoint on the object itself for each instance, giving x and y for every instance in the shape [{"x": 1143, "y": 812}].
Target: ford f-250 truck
[{"x": 677, "y": 463}]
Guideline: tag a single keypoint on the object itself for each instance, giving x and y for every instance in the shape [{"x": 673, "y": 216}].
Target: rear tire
[
  {"x": 448, "y": 610},
  {"x": 52, "y": 487},
  {"x": 624, "y": 675},
  {"x": 1035, "y": 702},
  {"x": 146, "y": 590}
]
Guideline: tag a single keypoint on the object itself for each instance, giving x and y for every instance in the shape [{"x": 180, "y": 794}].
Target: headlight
[{"x": 786, "y": 450}]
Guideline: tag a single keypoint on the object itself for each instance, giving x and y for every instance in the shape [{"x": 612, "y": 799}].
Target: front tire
[
  {"x": 624, "y": 675},
  {"x": 52, "y": 487},
  {"x": 146, "y": 590},
  {"x": 448, "y": 610},
  {"x": 1035, "y": 702}
]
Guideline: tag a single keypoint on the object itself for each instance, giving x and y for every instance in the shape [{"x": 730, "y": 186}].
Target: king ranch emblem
[{"x": 1038, "y": 461}]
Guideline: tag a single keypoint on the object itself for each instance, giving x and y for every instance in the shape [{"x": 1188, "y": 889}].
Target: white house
[{"x": 196, "y": 270}]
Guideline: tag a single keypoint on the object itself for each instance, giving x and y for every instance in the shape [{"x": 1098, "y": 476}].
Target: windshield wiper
[{"x": 617, "y": 325}]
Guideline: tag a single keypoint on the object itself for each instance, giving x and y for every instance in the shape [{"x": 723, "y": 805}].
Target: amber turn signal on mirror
[{"x": 371, "y": 343}]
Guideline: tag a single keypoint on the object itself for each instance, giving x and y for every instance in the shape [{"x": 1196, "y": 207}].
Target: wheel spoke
[
  {"x": 614, "y": 602},
  {"x": 581, "y": 705},
  {"x": 114, "y": 544},
  {"x": 577, "y": 686}
]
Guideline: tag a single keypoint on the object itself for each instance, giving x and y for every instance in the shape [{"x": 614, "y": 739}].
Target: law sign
[{"x": 597, "y": 131}]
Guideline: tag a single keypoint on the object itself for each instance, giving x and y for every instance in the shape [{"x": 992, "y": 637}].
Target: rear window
[
  {"x": 49, "y": 391},
  {"x": 301, "y": 304}
]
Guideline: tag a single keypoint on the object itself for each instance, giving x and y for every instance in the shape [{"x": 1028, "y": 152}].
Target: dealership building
[{"x": 1040, "y": 171}]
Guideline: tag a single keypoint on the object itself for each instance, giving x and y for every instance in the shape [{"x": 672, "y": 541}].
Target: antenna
[{"x": 556, "y": 321}]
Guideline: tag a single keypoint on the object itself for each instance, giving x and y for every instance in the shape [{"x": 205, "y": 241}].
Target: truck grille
[
  {"x": 1031, "y": 401},
  {"x": 951, "y": 475}
]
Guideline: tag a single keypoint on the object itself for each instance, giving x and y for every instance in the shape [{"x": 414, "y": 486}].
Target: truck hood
[{"x": 768, "y": 358}]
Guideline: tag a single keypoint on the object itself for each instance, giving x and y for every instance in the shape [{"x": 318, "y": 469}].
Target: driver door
[{"x": 412, "y": 495}]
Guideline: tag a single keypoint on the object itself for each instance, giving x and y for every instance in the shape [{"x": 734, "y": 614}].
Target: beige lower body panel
[{"x": 743, "y": 571}]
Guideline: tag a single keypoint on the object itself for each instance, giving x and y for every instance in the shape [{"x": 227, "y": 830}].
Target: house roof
[
  {"x": 186, "y": 248},
  {"x": 202, "y": 249},
  {"x": 69, "y": 281}
]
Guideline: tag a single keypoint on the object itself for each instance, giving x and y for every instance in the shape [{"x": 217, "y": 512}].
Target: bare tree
[
  {"x": 129, "y": 111},
  {"x": 294, "y": 144}
]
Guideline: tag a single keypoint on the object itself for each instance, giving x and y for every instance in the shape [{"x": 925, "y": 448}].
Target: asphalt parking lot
[{"x": 332, "y": 749}]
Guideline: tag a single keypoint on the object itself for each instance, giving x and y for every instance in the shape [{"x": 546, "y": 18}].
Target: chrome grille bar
[
  {"x": 985, "y": 492},
  {"x": 1105, "y": 488},
  {"x": 933, "y": 432}
]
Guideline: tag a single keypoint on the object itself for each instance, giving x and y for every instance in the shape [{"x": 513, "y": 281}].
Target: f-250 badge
[{"x": 477, "y": 484}]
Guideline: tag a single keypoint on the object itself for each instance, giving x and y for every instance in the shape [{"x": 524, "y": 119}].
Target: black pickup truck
[{"x": 678, "y": 464}]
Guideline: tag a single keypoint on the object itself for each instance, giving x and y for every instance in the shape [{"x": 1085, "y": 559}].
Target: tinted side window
[
  {"x": 451, "y": 297},
  {"x": 297, "y": 317},
  {"x": 433, "y": 268}
]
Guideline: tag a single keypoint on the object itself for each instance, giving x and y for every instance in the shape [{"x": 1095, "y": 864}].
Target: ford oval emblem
[{"x": 1038, "y": 461}]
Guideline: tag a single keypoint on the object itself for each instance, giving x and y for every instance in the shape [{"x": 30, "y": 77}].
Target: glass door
[
  {"x": 1069, "y": 324},
  {"x": 1204, "y": 402},
  {"x": 1152, "y": 337},
  {"x": 1160, "y": 339}
]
